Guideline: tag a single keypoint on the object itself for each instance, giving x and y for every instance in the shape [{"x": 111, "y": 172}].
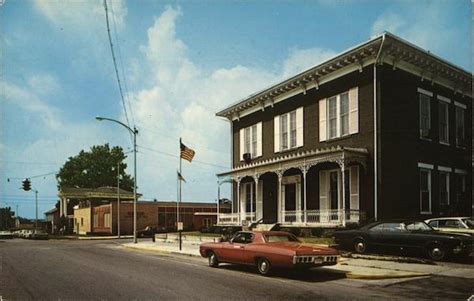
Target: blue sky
[{"x": 181, "y": 61}]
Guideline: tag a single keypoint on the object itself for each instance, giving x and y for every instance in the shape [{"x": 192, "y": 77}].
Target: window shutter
[
  {"x": 242, "y": 144},
  {"x": 354, "y": 110},
  {"x": 323, "y": 193},
  {"x": 299, "y": 127},
  {"x": 322, "y": 120},
  {"x": 259, "y": 139},
  {"x": 354, "y": 179},
  {"x": 259, "y": 202},
  {"x": 276, "y": 127}
]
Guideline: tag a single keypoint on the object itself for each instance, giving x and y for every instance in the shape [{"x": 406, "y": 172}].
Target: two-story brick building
[{"x": 382, "y": 130}]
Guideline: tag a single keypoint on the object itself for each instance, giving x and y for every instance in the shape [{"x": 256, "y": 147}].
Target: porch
[{"x": 311, "y": 189}]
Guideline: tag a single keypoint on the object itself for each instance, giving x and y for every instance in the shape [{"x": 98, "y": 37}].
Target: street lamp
[{"x": 134, "y": 132}]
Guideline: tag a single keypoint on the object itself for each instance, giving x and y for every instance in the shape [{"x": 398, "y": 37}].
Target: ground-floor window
[
  {"x": 250, "y": 196},
  {"x": 207, "y": 222},
  {"x": 425, "y": 190},
  {"x": 443, "y": 188},
  {"x": 107, "y": 220},
  {"x": 460, "y": 187}
]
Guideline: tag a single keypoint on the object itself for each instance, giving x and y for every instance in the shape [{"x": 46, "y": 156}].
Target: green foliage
[
  {"x": 95, "y": 168},
  {"x": 6, "y": 218}
]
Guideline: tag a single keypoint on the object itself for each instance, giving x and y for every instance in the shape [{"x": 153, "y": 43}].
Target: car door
[
  {"x": 394, "y": 235},
  {"x": 233, "y": 250}
]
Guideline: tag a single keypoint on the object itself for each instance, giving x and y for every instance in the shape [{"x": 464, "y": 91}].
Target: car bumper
[{"x": 315, "y": 260}]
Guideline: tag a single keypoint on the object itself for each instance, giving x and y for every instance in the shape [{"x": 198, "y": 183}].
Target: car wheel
[
  {"x": 360, "y": 246},
  {"x": 263, "y": 266},
  {"x": 436, "y": 252},
  {"x": 212, "y": 259}
]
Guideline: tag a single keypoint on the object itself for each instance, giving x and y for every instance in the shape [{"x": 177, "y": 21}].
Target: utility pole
[
  {"x": 36, "y": 201},
  {"x": 118, "y": 200}
]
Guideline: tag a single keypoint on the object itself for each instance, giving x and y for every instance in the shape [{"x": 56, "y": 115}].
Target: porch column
[
  {"x": 304, "y": 170},
  {"x": 218, "y": 200},
  {"x": 343, "y": 180},
  {"x": 280, "y": 205},
  {"x": 254, "y": 214},
  {"x": 238, "y": 200}
]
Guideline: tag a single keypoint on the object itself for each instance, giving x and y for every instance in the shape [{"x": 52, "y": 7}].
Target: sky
[{"x": 179, "y": 63}]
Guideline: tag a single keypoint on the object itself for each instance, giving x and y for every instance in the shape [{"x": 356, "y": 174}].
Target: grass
[
  {"x": 196, "y": 233},
  {"x": 317, "y": 240}
]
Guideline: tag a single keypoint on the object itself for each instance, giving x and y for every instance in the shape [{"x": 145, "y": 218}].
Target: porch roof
[{"x": 301, "y": 159}]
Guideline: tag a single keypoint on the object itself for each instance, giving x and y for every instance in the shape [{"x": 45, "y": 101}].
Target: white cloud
[
  {"x": 426, "y": 26},
  {"x": 303, "y": 59},
  {"x": 43, "y": 84},
  {"x": 28, "y": 101},
  {"x": 80, "y": 14},
  {"x": 181, "y": 100}
]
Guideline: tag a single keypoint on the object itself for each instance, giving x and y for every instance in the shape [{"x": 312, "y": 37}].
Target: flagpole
[{"x": 180, "y": 184}]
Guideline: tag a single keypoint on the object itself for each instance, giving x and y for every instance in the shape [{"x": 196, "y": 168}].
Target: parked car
[
  {"x": 266, "y": 250},
  {"x": 6, "y": 235},
  {"x": 405, "y": 235},
  {"x": 149, "y": 231},
  {"x": 26, "y": 233},
  {"x": 38, "y": 234},
  {"x": 452, "y": 224}
]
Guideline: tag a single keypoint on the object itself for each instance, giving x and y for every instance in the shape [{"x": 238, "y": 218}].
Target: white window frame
[
  {"x": 338, "y": 117},
  {"x": 291, "y": 134},
  {"x": 425, "y": 168},
  {"x": 459, "y": 107},
  {"x": 107, "y": 220},
  {"x": 444, "y": 102},
  {"x": 250, "y": 142},
  {"x": 421, "y": 98}
]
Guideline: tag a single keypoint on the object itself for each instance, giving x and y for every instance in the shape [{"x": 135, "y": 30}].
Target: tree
[
  {"x": 95, "y": 168},
  {"x": 6, "y": 218}
]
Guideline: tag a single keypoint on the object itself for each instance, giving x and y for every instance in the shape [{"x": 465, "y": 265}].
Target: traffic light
[{"x": 26, "y": 185}]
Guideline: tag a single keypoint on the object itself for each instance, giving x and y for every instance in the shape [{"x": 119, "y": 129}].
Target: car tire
[
  {"x": 436, "y": 252},
  {"x": 212, "y": 259},
  {"x": 360, "y": 246},
  {"x": 263, "y": 266}
]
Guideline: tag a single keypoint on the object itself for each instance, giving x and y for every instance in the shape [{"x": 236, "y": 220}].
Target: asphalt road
[{"x": 104, "y": 270}]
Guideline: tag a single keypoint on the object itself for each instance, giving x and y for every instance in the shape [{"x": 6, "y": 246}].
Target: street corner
[{"x": 162, "y": 249}]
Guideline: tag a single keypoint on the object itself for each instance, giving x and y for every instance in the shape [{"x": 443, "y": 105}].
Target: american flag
[{"x": 187, "y": 153}]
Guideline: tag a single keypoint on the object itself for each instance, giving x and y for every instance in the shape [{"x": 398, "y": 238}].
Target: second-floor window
[
  {"x": 251, "y": 141},
  {"x": 339, "y": 115},
  {"x": 425, "y": 113},
  {"x": 443, "y": 121},
  {"x": 288, "y": 129},
  {"x": 460, "y": 129}
]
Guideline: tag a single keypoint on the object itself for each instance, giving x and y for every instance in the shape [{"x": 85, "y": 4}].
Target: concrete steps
[{"x": 264, "y": 227}]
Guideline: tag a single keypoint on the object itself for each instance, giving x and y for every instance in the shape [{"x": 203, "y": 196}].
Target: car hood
[{"x": 306, "y": 249}]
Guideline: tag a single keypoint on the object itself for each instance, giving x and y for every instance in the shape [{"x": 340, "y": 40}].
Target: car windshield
[
  {"x": 469, "y": 222},
  {"x": 280, "y": 238},
  {"x": 418, "y": 226}
]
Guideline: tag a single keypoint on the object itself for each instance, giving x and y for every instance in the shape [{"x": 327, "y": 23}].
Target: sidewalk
[{"x": 356, "y": 268}]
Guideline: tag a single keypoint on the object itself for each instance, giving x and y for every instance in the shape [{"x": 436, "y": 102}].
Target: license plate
[{"x": 318, "y": 260}]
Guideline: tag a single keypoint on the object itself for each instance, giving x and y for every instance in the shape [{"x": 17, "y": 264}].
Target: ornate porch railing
[
  {"x": 325, "y": 218},
  {"x": 249, "y": 216},
  {"x": 228, "y": 219}
]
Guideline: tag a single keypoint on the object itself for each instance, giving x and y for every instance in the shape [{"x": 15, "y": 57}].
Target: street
[{"x": 105, "y": 270}]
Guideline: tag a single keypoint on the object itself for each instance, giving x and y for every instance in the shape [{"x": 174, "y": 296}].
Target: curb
[
  {"x": 380, "y": 277},
  {"x": 156, "y": 250},
  {"x": 388, "y": 258},
  {"x": 347, "y": 274}
]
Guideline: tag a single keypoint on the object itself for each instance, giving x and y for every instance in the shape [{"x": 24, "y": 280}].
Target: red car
[{"x": 268, "y": 249}]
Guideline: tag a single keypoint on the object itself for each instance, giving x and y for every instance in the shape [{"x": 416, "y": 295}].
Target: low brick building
[{"x": 102, "y": 218}]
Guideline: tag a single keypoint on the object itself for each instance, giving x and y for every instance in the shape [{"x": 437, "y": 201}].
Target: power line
[
  {"x": 127, "y": 94},
  {"x": 175, "y": 156},
  {"x": 115, "y": 62}
]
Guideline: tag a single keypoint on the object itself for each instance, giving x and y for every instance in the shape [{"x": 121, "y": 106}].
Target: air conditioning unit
[
  {"x": 247, "y": 158},
  {"x": 424, "y": 132}
]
